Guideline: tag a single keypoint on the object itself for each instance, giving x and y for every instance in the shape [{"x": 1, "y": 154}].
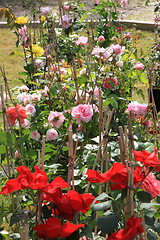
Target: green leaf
[
  {"x": 151, "y": 236},
  {"x": 157, "y": 227},
  {"x": 149, "y": 220},
  {"x": 109, "y": 101},
  {"x": 156, "y": 9},
  {"x": 32, "y": 153},
  {"x": 23, "y": 73},
  {"x": 102, "y": 196},
  {"x": 6, "y": 139},
  {"x": 53, "y": 91},
  {"x": 78, "y": 137},
  {"x": 15, "y": 236},
  {"x": 2, "y": 149},
  {"x": 115, "y": 104},
  {"x": 148, "y": 205},
  {"x": 102, "y": 206},
  {"x": 158, "y": 199},
  {"x": 146, "y": 3},
  {"x": 87, "y": 232},
  {"x": 65, "y": 148},
  {"x": 144, "y": 196},
  {"x": 143, "y": 78},
  {"x": 108, "y": 223},
  {"x": 17, "y": 217},
  {"x": 82, "y": 79}
]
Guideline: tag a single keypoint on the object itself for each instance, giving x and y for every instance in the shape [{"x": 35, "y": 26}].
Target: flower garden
[{"x": 79, "y": 159}]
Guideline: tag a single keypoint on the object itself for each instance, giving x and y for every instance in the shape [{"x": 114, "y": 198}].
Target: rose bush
[{"x": 70, "y": 122}]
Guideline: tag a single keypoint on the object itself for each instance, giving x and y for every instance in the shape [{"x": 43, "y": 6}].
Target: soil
[{"x": 135, "y": 10}]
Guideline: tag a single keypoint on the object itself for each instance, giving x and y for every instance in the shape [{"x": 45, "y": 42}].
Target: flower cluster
[
  {"x": 15, "y": 113},
  {"x": 137, "y": 109},
  {"x": 67, "y": 204}
]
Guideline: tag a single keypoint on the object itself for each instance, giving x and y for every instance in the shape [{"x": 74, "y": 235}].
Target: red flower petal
[
  {"x": 60, "y": 182},
  {"x": 11, "y": 186},
  {"x": 68, "y": 228},
  {"x": 51, "y": 229}
]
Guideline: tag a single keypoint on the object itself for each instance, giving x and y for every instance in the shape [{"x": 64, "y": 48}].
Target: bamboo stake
[
  {"x": 24, "y": 230},
  {"x": 110, "y": 114},
  {"x": 41, "y": 164},
  {"x": 43, "y": 152},
  {"x": 5, "y": 129},
  {"x": 73, "y": 69},
  {"x": 154, "y": 110},
  {"x": 71, "y": 161},
  {"x": 145, "y": 232}
]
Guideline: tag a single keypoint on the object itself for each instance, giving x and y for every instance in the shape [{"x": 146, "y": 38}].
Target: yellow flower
[
  {"x": 43, "y": 19},
  {"x": 38, "y": 51},
  {"x": 22, "y": 20}
]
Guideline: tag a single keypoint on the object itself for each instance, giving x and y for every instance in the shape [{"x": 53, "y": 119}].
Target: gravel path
[{"x": 135, "y": 10}]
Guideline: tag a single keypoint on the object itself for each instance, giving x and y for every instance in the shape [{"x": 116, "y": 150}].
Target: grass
[
  {"x": 147, "y": 16},
  {"x": 11, "y": 57}
]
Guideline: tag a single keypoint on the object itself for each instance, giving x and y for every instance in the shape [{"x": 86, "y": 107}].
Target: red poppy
[
  {"x": 16, "y": 112},
  {"x": 54, "y": 229},
  {"x": 133, "y": 227},
  {"x": 147, "y": 158}
]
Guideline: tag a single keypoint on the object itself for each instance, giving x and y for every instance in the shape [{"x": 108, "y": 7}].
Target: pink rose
[
  {"x": 94, "y": 92},
  {"x": 35, "y": 135},
  {"x": 56, "y": 118},
  {"x": 103, "y": 53},
  {"x": 137, "y": 109},
  {"x": 82, "y": 41},
  {"x": 98, "y": 52},
  {"x": 51, "y": 134},
  {"x": 97, "y": 2},
  {"x": 119, "y": 64},
  {"x": 83, "y": 238},
  {"x": 123, "y": 3},
  {"x": 110, "y": 83},
  {"x": 117, "y": 49},
  {"x": 24, "y": 88},
  {"x": 45, "y": 11},
  {"x": 65, "y": 7},
  {"x": 139, "y": 66},
  {"x": 101, "y": 38},
  {"x": 31, "y": 110},
  {"x": 66, "y": 20},
  {"x": 23, "y": 34},
  {"x": 38, "y": 63},
  {"x": 127, "y": 35},
  {"x": 36, "y": 97},
  {"x": 23, "y": 97},
  {"x": 83, "y": 71},
  {"x": 151, "y": 185},
  {"x": 25, "y": 124},
  {"x": 45, "y": 91},
  {"x": 82, "y": 113}
]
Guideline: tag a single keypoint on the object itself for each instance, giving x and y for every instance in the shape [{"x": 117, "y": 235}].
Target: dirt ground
[{"x": 135, "y": 10}]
